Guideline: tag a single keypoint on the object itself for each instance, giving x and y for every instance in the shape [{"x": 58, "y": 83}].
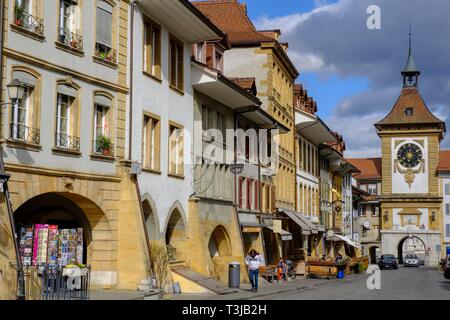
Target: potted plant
[
  {"x": 104, "y": 145},
  {"x": 102, "y": 54},
  {"x": 74, "y": 43},
  {"x": 18, "y": 13}
]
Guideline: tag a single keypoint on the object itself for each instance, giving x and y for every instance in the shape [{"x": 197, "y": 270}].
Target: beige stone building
[{"x": 64, "y": 142}]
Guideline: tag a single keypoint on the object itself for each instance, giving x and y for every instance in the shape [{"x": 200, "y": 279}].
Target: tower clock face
[{"x": 409, "y": 155}]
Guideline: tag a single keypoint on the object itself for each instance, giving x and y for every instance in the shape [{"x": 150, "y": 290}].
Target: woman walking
[{"x": 253, "y": 262}]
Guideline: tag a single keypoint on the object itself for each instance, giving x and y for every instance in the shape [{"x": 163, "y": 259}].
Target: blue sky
[{"x": 327, "y": 91}]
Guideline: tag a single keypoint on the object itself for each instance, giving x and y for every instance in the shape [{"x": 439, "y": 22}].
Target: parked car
[
  {"x": 411, "y": 260},
  {"x": 387, "y": 261},
  {"x": 447, "y": 268}
]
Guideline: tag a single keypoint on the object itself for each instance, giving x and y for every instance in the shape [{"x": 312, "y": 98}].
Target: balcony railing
[
  {"x": 105, "y": 53},
  {"x": 64, "y": 141},
  {"x": 27, "y": 21},
  {"x": 102, "y": 149},
  {"x": 70, "y": 39},
  {"x": 24, "y": 133}
]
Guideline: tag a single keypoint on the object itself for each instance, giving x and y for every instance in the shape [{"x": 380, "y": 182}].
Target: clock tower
[{"x": 410, "y": 203}]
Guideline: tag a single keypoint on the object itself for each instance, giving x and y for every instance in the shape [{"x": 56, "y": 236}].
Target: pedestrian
[
  {"x": 253, "y": 262},
  {"x": 281, "y": 269}
]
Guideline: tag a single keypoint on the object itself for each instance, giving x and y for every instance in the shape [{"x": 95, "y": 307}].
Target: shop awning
[
  {"x": 338, "y": 237},
  {"x": 315, "y": 130},
  {"x": 285, "y": 235},
  {"x": 306, "y": 226},
  {"x": 249, "y": 222}
]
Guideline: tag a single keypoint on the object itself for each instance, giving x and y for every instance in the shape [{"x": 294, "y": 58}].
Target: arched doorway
[
  {"x": 151, "y": 221},
  {"x": 70, "y": 235},
  {"x": 176, "y": 236},
  {"x": 411, "y": 244},
  {"x": 219, "y": 243},
  {"x": 373, "y": 254},
  {"x": 220, "y": 252}
]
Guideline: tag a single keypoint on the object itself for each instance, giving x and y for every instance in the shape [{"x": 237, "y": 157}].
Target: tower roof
[
  {"x": 410, "y": 67},
  {"x": 418, "y": 112}
]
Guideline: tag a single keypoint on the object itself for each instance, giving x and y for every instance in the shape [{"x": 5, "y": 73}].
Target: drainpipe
[{"x": 130, "y": 124}]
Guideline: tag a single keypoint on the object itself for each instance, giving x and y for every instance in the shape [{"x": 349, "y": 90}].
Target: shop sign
[
  {"x": 276, "y": 225},
  {"x": 286, "y": 237}
]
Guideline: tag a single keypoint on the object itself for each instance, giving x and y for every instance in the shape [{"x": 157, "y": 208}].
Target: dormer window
[{"x": 409, "y": 111}]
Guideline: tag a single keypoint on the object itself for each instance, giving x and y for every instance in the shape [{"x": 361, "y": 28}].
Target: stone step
[{"x": 145, "y": 287}]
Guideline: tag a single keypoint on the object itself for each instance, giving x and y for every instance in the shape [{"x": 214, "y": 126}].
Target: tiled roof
[
  {"x": 444, "y": 161},
  {"x": 247, "y": 84},
  {"x": 370, "y": 168},
  {"x": 409, "y": 98},
  {"x": 231, "y": 17}
]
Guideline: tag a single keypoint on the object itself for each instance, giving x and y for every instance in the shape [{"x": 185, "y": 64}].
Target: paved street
[{"x": 405, "y": 283}]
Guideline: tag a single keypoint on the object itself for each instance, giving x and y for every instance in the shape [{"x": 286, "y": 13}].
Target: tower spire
[{"x": 410, "y": 73}]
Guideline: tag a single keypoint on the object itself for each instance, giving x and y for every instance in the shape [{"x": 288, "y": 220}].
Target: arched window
[{"x": 24, "y": 124}]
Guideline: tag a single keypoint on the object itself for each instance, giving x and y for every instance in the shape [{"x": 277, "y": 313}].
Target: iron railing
[
  {"x": 105, "y": 53},
  {"x": 24, "y": 133},
  {"x": 46, "y": 282},
  {"x": 27, "y": 21},
  {"x": 64, "y": 141},
  {"x": 70, "y": 39},
  {"x": 101, "y": 149}
]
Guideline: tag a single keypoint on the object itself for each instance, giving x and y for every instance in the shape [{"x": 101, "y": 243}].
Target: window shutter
[
  {"x": 447, "y": 209},
  {"x": 447, "y": 230},
  {"x": 241, "y": 181},
  {"x": 447, "y": 189},
  {"x": 256, "y": 194},
  {"x": 104, "y": 23},
  {"x": 249, "y": 193}
]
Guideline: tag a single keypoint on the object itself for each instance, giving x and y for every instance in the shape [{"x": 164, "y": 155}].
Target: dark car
[
  {"x": 387, "y": 261},
  {"x": 447, "y": 268}
]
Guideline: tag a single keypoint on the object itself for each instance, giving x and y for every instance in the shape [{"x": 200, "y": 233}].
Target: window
[
  {"x": 447, "y": 230},
  {"x": 447, "y": 189},
  {"x": 249, "y": 193},
  {"x": 176, "y": 162},
  {"x": 151, "y": 143},
  {"x": 372, "y": 189},
  {"x": 363, "y": 186},
  {"x": 256, "y": 197},
  {"x": 199, "y": 52},
  {"x": 152, "y": 48},
  {"x": 70, "y": 24},
  {"x": 363, "y": 209},
  {"x": 409, "y": 111},
  {"x": 26, "y": 15},
  {"x": 176, "y": 64},
  {"x": 66, "y": 119},
  {"x": 241, "y": 191},
  {"x": 25, "y": 112},
  {"x": 374, "y": 211},
  {"x": 218, "y": 61},
  {"x": 102, "y": 134},
  {"x": 103, "y": 45},
  {"x": 447, "y": 209}
]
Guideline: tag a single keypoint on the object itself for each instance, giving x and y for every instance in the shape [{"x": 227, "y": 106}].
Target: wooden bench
[{"x": 269, "y": 272}]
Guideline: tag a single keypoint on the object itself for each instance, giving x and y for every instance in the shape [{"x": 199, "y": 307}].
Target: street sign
[{"x": 136, "y": 168}]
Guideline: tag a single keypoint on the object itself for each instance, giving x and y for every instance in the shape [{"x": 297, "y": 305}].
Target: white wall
[
  {"x": 158, "y": 98},
  {"x": 244, "y": 62},
  {"x": 445, "y": 179}
]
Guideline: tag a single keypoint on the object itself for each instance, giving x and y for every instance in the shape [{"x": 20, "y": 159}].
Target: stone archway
[
  {"x": 151, "y": 218},
  {"x": 175, "y": 236},
  {"x": 220, "y": 251},
  {"x": 219, "y": 243},
  {"x": 373, "y": 254},
  {"x": 411, "y": 244},
  {"x": 71, "y": 211}
]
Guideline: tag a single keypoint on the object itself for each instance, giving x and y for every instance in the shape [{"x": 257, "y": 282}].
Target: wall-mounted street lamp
[
  {"x": 16, "y": 91},
  {"x": 386, "y": 216}
]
